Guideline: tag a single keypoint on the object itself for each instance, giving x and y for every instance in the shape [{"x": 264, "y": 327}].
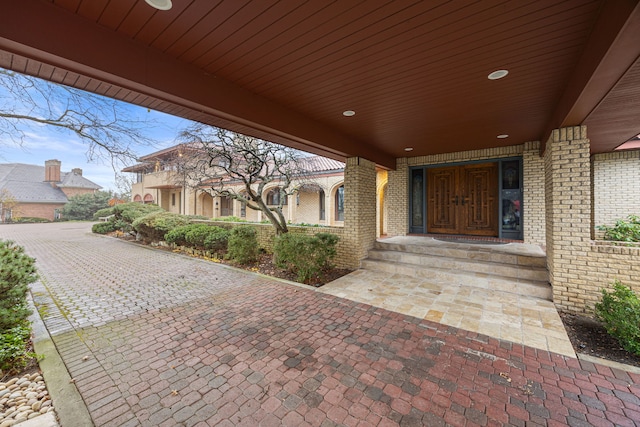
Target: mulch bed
[{"x": 588, "y": 336}]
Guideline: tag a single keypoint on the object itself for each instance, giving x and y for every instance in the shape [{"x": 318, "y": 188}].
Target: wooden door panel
[
  {"x": 463, "y": 200},
  {"x": 441, "y": 209},
  {"x": 479, "y": 207}
]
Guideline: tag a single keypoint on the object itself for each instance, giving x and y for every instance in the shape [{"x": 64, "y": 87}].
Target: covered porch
[{"x": 398, "y": 86}]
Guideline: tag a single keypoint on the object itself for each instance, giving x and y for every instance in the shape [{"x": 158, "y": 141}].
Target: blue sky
[{"x": 45, "y": 143}]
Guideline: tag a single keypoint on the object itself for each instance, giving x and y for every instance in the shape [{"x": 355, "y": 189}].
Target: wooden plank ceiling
[{"x": 414, "y": 72}]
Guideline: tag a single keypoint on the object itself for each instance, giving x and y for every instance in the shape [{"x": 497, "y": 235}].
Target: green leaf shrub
[
  {"x": 29, "y": 220},
  {"x": 13, "y": 348},
  {"x": 230, "y": 219},
  {"x": 104, "y": 227},
  {"x": 17, "y": 271},
  {"x": 624, "y": 230},
  {"x": 217, "y": 239},
  {"x": 243, "y": 244},
  {"x": 178, "y": 235},
  {"x": 131, "y": 211},
  {"x": 619, "y": 310},
  {"x": 83, "y": 206},
  {"x": 305, "y": 255},
  {"x": 103, "y": 213},
  {"x": 153, "y": 227},
  {"x": 200, "y": 236}
]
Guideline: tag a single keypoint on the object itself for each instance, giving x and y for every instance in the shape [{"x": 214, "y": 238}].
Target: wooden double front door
[{"x": 463, "y": 200}]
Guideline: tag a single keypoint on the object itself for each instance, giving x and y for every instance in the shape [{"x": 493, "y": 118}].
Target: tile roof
[{"x": 26, "y": 183}]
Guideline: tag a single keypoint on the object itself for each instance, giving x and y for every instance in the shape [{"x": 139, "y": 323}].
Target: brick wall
[
  {"x": 36, "y": 210},
  {"x": 70, "y": 191},
  {"x": 533, "y": 194},
  {"x": 616, "y": 187}
]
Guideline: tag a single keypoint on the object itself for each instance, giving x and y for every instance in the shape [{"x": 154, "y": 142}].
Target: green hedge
[
  {"x": 243, "y": 244},
  {"x": 201, "y": 236},
  {"x": 154, "y": 226},
  {"x": 619, "y": 310},
  {"x": 131, "y": 211},
  {"x": 305, "y": 255}
]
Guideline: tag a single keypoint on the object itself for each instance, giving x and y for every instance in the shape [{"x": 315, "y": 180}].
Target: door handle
[
  {"x": 462, "y": 201},
  {"x": 455, "y": 200}
]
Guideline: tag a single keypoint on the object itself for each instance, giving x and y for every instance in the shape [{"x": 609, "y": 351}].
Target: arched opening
[
  {"x": 148, "y": 198},
  {"x": 137, "y": 198},
  {"x": 339, "y": 203},
  {"x": 206, "y": 205},
  {"x": 274, "y": 196}
]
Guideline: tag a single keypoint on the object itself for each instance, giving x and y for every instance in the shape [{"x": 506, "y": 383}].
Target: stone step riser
[
  {"x": 533, "y": 288},
  {"x": 477, "y": 254},
  {"x": 462, "y": 264}
]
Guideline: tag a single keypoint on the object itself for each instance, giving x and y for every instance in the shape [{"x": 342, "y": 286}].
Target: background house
[
  {"x": 319, "y": 200},
  {"x": 40, "y": 191}
]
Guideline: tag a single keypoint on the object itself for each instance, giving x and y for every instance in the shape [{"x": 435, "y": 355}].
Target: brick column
[
  {"x": 568, "y": 215},
  {"x": 398, "y": 199},
  {"x": 359, "y": 208},
  {"x": 533, "y": 194}
]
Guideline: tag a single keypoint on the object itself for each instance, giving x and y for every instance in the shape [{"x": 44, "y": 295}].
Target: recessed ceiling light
[
  {"x": 498, "y": 74},
  {"x": 408, "y": 149},
  {"x": 160, "y": 4},
  {"x": 348, "y": 113},
  {"x": 502, "y": 136}
]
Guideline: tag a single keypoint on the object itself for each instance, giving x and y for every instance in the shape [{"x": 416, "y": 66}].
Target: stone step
[
  {"x": 483, "y": 265},
  {"x": 503, "y": 254},
  {"x": 534, "y": 288}
]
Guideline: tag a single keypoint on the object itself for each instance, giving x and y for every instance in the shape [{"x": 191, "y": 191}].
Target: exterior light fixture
[
  {"x": 348, "y": 113},
  {"x": 408, "y": 149},
  {"x": 498, "y": 74},
  {"x": 160, "y": 4},
  {"x": 502, "y": 136}
]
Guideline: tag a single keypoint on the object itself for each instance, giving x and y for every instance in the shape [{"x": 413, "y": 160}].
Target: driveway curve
[{"x": 154, "y": 338}]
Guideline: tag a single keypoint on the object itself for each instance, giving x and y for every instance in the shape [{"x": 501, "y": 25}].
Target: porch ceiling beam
[
  {"x": 42, "y": 32},
  {"x": 612, "y": 49}
]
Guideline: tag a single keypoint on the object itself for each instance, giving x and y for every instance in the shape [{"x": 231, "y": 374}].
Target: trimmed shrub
[
  {"x": 153, "y": 227},
  {"x": 17, "y": 271},
  {"x": 619, "y": 310},
  {"x": 29, "y": 220},
  {"x": 196, "y": 235},
  {"x": 243, "y": 244},
  {"x": 217, "y": 239},
  {"x": 305, "y": 255},
  {"x": 177, "y": 236},
  {"x": 129, "y": 212},
  {"x": 624, "y": 230},
  {"x": 103, "y": 213},
  {"x": 104, "y": 227}
]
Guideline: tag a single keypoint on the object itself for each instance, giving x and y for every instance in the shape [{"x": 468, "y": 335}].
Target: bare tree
[
  {"x": 107, "y": 126},
  {"x": 224, "y": 161},
  {"x": 7, "y": 205}
]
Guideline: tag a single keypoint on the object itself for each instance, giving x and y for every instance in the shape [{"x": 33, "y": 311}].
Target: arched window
[
  {"x": 137, "y": 198},
  {"x": 273, "y": 197},
  {"x": 148, "y": 198},
  {"x": 340, "y": 203}
]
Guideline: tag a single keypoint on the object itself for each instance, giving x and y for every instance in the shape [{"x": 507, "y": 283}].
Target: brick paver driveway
[{"x": 169, "y": 340}]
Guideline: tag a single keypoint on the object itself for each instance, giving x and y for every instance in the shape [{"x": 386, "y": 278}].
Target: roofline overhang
[
  {"x": 612, "y": 49},
  {"x": 226, "y": 104}
]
